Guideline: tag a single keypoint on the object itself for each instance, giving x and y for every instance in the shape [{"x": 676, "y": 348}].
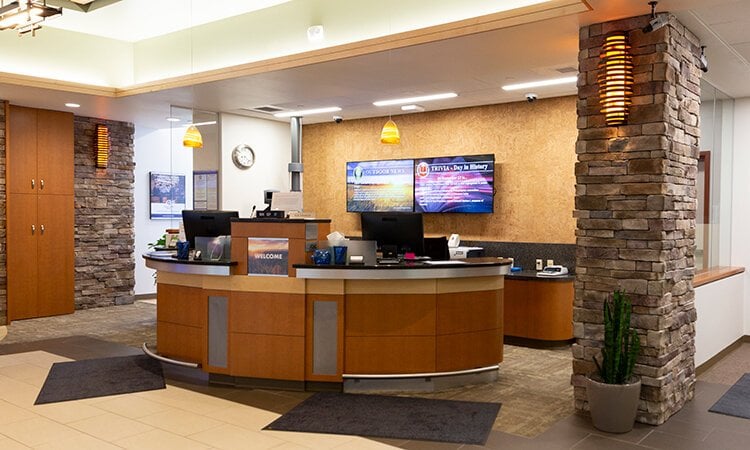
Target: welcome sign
[{"x": 268, "y": 256}]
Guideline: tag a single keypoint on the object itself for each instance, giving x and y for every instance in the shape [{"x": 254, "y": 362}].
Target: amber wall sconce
[
  {"x": 102, "y": 146},
  {"x": 615, "y": 79}
]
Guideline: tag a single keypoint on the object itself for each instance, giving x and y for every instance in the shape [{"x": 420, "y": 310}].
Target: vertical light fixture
[
  {"x": 102, "y": 146},
  {"x": 615, "y": 78},
  {"x": 390, "y": 134},
  {"x": 192, "y": 138}
]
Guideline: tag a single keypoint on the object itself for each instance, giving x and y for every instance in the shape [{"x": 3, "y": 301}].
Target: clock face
[{"x": 243, "y": 156}]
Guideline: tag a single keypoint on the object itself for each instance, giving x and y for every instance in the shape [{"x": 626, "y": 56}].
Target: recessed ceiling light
[
  {"x": 172, "y": 119},
  {"x": 414, "y": 108},
  {"x": 424, "y": 98},
  {"x": 72, "y": 105},
  {"x": 307, "y": 112},
  {"x": 540, "y": 83}
]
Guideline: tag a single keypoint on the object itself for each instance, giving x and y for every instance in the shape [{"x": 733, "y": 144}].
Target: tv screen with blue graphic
[
  {"x": 380, "y": 186},
  {"x": 454, "y": 184}
]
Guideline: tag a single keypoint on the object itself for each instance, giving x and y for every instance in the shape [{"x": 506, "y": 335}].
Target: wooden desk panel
[
  {"x": 267, "y": 313},
  {"x": 469, "y": 350},
  {"x": 537, "y": 309},
  {"x": 397, "y": 354},
  {"x": 181, "y": 342},
  {"x": 468, "y": 311},
  {"x": 390, "y": 315},
  {"x": 181, "y": 305},
  {"x": 263, "y": 356}
]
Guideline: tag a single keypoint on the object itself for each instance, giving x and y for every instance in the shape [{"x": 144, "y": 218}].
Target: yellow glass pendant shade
[
  {"x": 390, "y": 134},
  {"x": 192, "y": 138}
]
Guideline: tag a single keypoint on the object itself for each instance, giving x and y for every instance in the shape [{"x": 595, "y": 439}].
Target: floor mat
[
  {"x": 736, "y": 401},
  {"x": 99, "y": 377},
  {"x": 391, "y": 417}
]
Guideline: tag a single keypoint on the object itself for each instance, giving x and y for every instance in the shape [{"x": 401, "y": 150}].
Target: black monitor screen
[
  {"x": 403, "y": 230},
  {"x": 206, "y": 223}
]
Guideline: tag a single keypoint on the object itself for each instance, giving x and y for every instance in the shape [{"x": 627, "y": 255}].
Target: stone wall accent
[
  {"x": 104, "y": 217},
  {"x": 3, "y": 197},
  {"x": 635, "y": 210}
]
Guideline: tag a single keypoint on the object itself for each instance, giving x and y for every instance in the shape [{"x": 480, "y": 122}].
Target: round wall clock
[{"x": 243, "y": 156}]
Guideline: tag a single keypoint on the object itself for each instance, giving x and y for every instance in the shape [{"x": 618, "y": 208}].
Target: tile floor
[{"x": 191, "y": 414}]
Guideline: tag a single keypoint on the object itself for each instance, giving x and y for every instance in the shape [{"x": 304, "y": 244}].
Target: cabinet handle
[
  {"x": 33, "y": 229},
  {"x": 33, "y": 183},
  {"x": 41, "y": 227},
  {"x": 41, "y": 184}
]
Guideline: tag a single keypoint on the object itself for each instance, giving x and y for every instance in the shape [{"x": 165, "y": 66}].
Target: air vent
[
  {"x": 267, "y": 109},
  {"x": 567, "y": 69}
]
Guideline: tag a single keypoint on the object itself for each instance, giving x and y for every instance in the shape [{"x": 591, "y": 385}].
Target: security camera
[
  {"x": 656, "y": 23},
  {"x": 702, "y": 60},
  {"x": 338, "y": 119},
  {"x": 531, "y": 97}
]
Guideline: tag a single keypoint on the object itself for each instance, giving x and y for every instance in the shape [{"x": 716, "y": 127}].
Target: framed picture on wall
[
  {"x": 167, "y": 195},
  {"x": 205, "y": 189}
]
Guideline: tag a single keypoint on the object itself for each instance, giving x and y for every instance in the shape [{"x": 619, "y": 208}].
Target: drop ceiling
[{"x": 474, "y": 66}]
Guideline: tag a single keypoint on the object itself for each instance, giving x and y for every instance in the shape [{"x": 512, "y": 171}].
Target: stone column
[{"x": 635, "y": 210}]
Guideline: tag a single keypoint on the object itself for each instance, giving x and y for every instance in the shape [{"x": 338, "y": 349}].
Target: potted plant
[{"x": 613, "y": 392}]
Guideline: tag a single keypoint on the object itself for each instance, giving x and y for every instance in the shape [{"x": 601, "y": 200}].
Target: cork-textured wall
[
  {"x": 534, "y": 148},
  {"x": 3, "y": 271}
]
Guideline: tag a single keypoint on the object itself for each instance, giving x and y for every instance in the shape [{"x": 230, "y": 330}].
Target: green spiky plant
[{"x": 621, "y": 343}]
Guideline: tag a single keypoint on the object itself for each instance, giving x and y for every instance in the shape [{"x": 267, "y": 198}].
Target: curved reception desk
[{"x": 291, "y": 324}]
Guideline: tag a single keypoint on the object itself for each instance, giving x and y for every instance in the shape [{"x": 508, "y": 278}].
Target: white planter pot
[{"x": 613, "y": 406}]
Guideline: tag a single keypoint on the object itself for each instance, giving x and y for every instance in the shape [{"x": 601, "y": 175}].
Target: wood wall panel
[
  {"x": 56, "y": 255},
  {"x": 267, "y": 313},
  {"x": 373, "y": 355},
  {"x": 390, "y": 315},
  {"x": 534, "y": 147},
  {"x": 468, "y": 311},
  {"x": 469, "y": 350},
  {"x": 181, "y": 342},
  {"x": 181, "y": 305},
  {"x": 263, "y": 356}
]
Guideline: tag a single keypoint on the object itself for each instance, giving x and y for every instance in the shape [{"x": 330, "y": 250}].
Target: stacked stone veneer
[
  {"x": 104, "y": 216},
  {"x": 635, "y": 209}
]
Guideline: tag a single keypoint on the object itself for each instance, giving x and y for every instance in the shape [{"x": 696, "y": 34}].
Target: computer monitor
[
  {"x": 206, "y": 223},
  {"x": 402, "y": 230}
]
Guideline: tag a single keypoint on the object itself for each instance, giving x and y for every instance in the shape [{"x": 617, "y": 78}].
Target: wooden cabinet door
[
  {"x": 515, "y": 308},
  {"x": 22, "y": 256},
  {"x": 55, "y": 152},
  {"x": 22, "y": 145},
  {"x": 56, "y": 259}
]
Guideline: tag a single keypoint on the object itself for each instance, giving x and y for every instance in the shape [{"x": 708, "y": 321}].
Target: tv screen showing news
[
  {"x": 384, "y": 186},
  {"x": 454, "y": 184}
]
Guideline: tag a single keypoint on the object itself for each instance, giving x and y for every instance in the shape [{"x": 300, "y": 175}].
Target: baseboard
[
  {"x": 700, "y": 370},
  {"x": 145, "y": 296}
]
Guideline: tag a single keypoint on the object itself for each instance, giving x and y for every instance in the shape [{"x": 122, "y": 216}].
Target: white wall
[
  {"x": 741, "y": 198},
  {"x": 271, "y": 141},
  {"x": 718, "y": 324},
  {"x": 156, "y": 150}
]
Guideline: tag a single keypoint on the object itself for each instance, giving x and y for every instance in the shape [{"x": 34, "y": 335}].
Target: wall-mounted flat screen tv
[
  {"x": 386, "y": 185},
  {"x": 454, "y": 184}
]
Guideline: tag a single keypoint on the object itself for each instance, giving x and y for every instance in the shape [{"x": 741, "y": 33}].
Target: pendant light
[
  {"x": 192, "y": 138},
  {"x": 390, "y": 134}
]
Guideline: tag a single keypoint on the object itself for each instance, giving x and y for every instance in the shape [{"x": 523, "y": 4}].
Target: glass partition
[{"x": 714, "y": 179}]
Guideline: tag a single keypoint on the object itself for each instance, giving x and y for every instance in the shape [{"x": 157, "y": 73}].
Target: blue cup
[
  {"x": 183, "y": 250},
  {"x": 321, "y": 257},
  {"x": 339, "y": 255}
]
